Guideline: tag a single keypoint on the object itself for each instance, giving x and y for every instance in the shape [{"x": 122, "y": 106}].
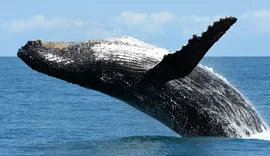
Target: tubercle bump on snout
[
  {"x": 26, "y": 52},
  {"x": 30, "y": 44},
  {"x": 33, "y": 43}
]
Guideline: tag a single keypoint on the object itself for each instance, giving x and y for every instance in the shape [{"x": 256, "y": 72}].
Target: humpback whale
[{"x": 173, "y": 88}]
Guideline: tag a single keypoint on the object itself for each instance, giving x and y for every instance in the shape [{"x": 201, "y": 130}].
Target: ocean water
[{"x": 41, "y": 115}]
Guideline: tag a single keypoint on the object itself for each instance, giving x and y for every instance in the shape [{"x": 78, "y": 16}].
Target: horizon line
[{"x": 204, "y": 57}]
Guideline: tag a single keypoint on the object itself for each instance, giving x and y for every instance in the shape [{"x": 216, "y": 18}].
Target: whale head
[{"x": 99, "y": 64}]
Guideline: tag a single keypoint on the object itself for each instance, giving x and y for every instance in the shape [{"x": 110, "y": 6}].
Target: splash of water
[{"x": 265, "y": 135}]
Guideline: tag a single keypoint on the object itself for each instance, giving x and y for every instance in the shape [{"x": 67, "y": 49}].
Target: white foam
[
  {"x": 212, "y": 71},
  {"x": 260, "y": 136}
]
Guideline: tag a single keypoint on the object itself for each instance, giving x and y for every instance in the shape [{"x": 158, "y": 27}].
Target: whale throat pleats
[{"x": 182, "y": 62}]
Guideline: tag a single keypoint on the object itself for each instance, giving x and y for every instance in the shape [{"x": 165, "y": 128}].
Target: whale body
[{"x": 170, "y": 87}]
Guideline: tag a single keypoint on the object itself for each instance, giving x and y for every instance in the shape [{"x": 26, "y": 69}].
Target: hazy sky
[{"x": 168, "y": 24}]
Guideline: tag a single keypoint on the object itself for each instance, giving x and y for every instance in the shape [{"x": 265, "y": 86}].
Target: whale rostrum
[{"x": 170, "y": 87}]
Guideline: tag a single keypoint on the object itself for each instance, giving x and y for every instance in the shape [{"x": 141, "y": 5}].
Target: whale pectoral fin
[{"x": 182, "y": 62}]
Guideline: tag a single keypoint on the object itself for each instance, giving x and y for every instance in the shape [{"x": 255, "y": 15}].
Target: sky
[{"x": 167, "y": 24}]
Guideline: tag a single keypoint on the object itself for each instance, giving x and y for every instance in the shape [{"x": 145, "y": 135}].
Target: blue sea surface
[{"x": 41, "y": 115}]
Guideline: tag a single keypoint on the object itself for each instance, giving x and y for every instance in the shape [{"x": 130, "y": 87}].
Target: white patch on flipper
[{"x": 57, "y": 59}]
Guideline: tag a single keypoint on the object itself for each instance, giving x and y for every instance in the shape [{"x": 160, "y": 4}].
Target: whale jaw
[{"x": 56, "y": 60}]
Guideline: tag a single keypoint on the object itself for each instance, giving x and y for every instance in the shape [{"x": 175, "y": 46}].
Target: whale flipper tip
[{"x": 182, "y": 62}]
